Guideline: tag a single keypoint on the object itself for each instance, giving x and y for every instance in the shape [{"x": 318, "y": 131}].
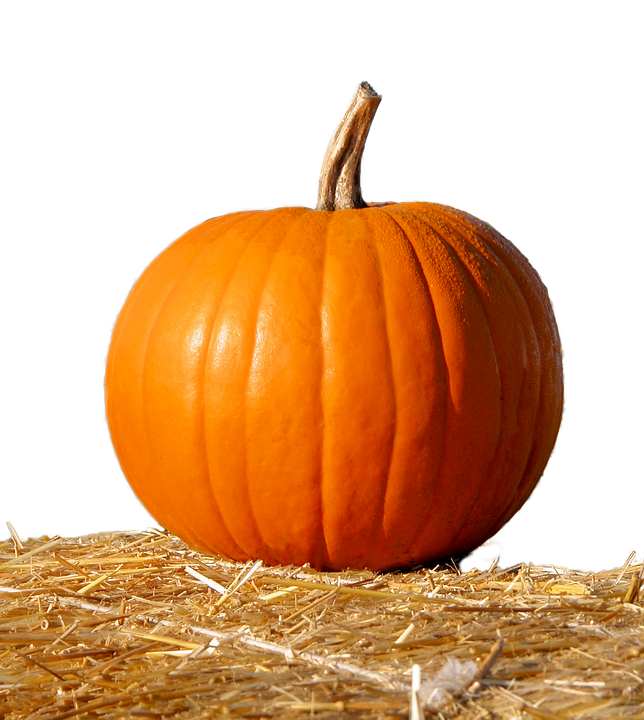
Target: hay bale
[{"x": 138, "y": 625}]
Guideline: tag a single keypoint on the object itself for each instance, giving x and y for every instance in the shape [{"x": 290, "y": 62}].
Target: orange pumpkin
[{"x": 352, "y": 386}]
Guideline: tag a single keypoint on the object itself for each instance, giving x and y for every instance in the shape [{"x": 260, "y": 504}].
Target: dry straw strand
[{"x": 139, "y": 625}]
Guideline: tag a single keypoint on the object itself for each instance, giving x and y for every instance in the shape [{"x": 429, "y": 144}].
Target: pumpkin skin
[{"x": 376, "y": 387}]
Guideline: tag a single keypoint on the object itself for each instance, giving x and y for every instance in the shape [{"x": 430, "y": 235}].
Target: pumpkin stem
[{"x": 340, "y": 176}]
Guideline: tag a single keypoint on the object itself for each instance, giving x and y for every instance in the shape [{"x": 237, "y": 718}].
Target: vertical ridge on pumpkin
[
  {"x": 550, "y": 410},
  {"x": 323, "y": 364},
  {"x": 529, "y": 393},
  {"x": 419, "y": 379},
  {"x": 469, "y": 511},
  {"x": 538, "y": 304},
  {"x": 230, "y": 359},
  {"x": 152, "y": 322},
  {"x": 252, "y": 329},
  {"x": 179, "y": 278},
  {"x": 283, "y": 402},
  {"x": 129, "y": 359},
  {"x": 172, "y": 412},
  {"x": 473, "y": 415},
  {"x": 228, "y": 545},
  {"x": 325, "y": 341},
  {"x": 357, "y": 419},
  {"x": 381, "y": 547},
  {"x": 432, "y": 540},
  {"x": 511, "y": 330}
]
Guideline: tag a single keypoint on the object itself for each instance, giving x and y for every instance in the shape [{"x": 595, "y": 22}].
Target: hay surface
[{"x": 138, "y": 625}]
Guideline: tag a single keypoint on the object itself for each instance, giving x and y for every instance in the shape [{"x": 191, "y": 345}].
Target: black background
[{"x": 151, "y": 158}]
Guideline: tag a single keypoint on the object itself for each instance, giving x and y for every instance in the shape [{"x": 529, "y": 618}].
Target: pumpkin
[{"x": 349, "y": 386}]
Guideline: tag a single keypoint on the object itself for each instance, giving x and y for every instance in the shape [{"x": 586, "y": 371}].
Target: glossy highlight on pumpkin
[{"x": 374, "y": 387}]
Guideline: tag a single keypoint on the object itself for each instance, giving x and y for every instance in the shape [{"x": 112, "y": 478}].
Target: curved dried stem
[{"x": 340, "y": 177}]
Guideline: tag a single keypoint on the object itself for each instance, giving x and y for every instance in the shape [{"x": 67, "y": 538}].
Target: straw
[{"x": 128, "y": 625}]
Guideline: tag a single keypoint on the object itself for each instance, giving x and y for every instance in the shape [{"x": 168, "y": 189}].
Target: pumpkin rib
[
  {"x": 393, "y": 211},
  {"x": 237, "y": 507},
  {"x": 380, "y": 506},
  {"x": 183, "y": 527},
  {"x": 231, "y": 548},
  {"x": 235, "y": 221},
  {"x": 433, "y": 221},
  {"x": 326, "y": 364},
  {"x": 357, "y": 429},
  {"x": 540, "y": 308},
  {"x": 326, "y": 220},
  {"x": 323, "y": 365},
  {"x": 237, "y": 551},
  {"x": 270, "y": 558},
  {"x": 543, "y": 447},
  {"x": 505, "y": 273},
  {"x": 228, "y": 222},
  {"x": 283, "y": 400},
  {"x": 518, "y": 407},
  {"x": 139, "y": 286},
  {"x": 441, "y": 231},
  {"x": 527, "y": 287},
  {"x": 441, "y": 370}
]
